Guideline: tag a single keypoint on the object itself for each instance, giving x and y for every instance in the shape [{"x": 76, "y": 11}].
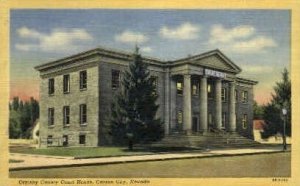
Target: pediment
[{"x": 214, "y": 60}]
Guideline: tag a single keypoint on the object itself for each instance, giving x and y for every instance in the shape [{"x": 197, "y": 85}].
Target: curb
[
  {"x": 146, "y": 160},
  {"x": 41, "y": 155}
]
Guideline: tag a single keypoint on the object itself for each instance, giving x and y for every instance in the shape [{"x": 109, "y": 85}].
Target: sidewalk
[{"x": 42, "y": 161}]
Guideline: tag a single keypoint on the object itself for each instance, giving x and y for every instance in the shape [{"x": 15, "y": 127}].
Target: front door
[
  {"x": 195, "y": 124},
  {"x": 65, "y": 140}
]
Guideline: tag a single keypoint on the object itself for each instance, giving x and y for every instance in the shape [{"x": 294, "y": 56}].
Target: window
[
  {"x": 179, "y": 87},
  {"x": 50, "y": 116},
  {"x": 66, "y": 114},
  {"x": 195, "y": 87},
  {"x": 50, "y": 140},
  {"x": 179, "y": 117},
  {"x": 236, "y": 95},
  {"x": 115, "y": 79},
  {"x": 223, "y": 119},
  {"x": 244, "y": 121},
  {"x": 223, "y": 95},
  {"x": 66, "y": 82},
  {"x": 83, "y": 114},
  {"x": 51, "y": 86},
  {"x": 245, "y": 96},
  {"x": 81, "y": 139},
  {"x": 155, "y": 83},
  {"x": 83, "y": 80},
  {"x": 209, "y": 90}
]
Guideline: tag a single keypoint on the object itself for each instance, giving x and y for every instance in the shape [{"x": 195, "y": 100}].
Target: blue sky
[{"x": 256, "y": 40}]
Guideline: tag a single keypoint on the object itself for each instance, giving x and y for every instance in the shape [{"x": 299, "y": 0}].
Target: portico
[
  {"x": 186, "y": 108},
  {"x": 202, "y": 96}
]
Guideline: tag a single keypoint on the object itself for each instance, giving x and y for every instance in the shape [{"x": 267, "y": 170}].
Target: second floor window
[
  {"x": 82, "y": 114},
  {"x": 66, "y": 115},
  {"x": 195, "y": 87},
  {"x": 209, "y": 90},
  {"x": 179, "y": 87},
  {"x": 245, "y": 96},
  {"x": 83, "y": 80},
  {"x": 115, "y": 79},
  {"x": 51, "y": 86},
  {"x": 66, "y": 83},
  {"x": 223, "y": 95},
  {"x": 50, "y": 116}
]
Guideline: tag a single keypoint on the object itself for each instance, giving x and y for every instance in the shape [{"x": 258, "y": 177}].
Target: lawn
[
  {"x": 259, "y": 165},
  {"x": 79, "y": 152}
]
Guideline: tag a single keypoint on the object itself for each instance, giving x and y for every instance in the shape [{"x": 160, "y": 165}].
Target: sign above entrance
[{"x": 214, "y": 73}]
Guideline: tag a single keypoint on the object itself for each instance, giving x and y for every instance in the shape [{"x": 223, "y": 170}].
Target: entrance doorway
[
  {"x": 195, "y": 124},
  {"x": 65, "y": 140}
]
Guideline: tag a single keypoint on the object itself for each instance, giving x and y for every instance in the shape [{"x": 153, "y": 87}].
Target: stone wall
[{"x": 73, "y": 99}]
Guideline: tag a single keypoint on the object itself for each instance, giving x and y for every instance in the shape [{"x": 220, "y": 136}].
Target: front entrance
[
  {"x": 195, "y": 124},
  {"x": 65, "y": 140}
]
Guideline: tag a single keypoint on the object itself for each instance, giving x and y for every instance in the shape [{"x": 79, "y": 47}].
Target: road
[{"x": 257, "y": 165}]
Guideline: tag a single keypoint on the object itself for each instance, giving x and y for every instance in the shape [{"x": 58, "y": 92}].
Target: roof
[
  {"x": 200, "y": 59},
  {"x": 215, "y": 52}
]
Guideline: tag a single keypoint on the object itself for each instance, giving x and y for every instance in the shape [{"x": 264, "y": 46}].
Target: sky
[{"x": 258, "y": 41}]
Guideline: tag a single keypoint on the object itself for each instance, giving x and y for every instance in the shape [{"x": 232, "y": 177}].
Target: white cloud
[
  {"x": 257, "y": 44},
  {"x": 131, "y": 37},
  {"x": 219, "y": 34},
  {"x": 240, "y": 39},
  {"x": 185, "y": 31},
  {"x": 58, "y": 39},
  {"x": 146, "y": 49},
  {"x": 257, "y": 69},
  {"x": 25, "y": 32},
  {"x": 26, "y": 47}
]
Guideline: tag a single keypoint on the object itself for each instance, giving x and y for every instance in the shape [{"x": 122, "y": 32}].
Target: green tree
[
  {"x": 22, "y": 117},
  {"x": 281, "y": 98},
  {"x": 134, "y": 110},
  {"x": 15, "y": 103}
]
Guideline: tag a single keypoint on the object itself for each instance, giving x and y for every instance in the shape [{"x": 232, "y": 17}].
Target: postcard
[{"x": 149, "y": 93}]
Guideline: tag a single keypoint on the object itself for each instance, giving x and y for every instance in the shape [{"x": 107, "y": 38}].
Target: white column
[
  {"x": 167, "y": 113},
  {"x": 187, "y": 107},
  {"x": 203, "y": 104},
  {"x": 173, "y": 94},
  {"x": 232, "y": 120},
  {"x": 218, "y": 104}
]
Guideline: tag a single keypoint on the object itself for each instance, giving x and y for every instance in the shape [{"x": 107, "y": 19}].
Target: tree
[
  {"x": 15, "y": 103},
  {"x": 258, "y": 111},
  {"x": 134, "y": 109},
  {"x": 281, "y": 98},
  {"x": 22, "y": 117}
]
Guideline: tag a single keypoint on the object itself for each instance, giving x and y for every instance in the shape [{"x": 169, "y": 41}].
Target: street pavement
[{"x": 43, "y": 161}]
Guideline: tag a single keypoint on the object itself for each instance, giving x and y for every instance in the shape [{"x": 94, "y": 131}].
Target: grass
[
  {"x": 80, "y": 152},
  {"x": 262, "y": 165}
]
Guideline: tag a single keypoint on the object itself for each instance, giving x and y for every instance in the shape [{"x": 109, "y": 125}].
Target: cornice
[{"x": 246, "y": 81}]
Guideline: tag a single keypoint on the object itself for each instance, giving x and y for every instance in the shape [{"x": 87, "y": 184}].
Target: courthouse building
[{"x": 198, "y": 94}]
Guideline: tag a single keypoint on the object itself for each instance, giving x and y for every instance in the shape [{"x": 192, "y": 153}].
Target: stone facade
[{"x": 196, "y": 94}]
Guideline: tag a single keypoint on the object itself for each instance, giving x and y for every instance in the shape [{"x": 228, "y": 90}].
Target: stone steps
[{"x": 205, "y": 141}]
